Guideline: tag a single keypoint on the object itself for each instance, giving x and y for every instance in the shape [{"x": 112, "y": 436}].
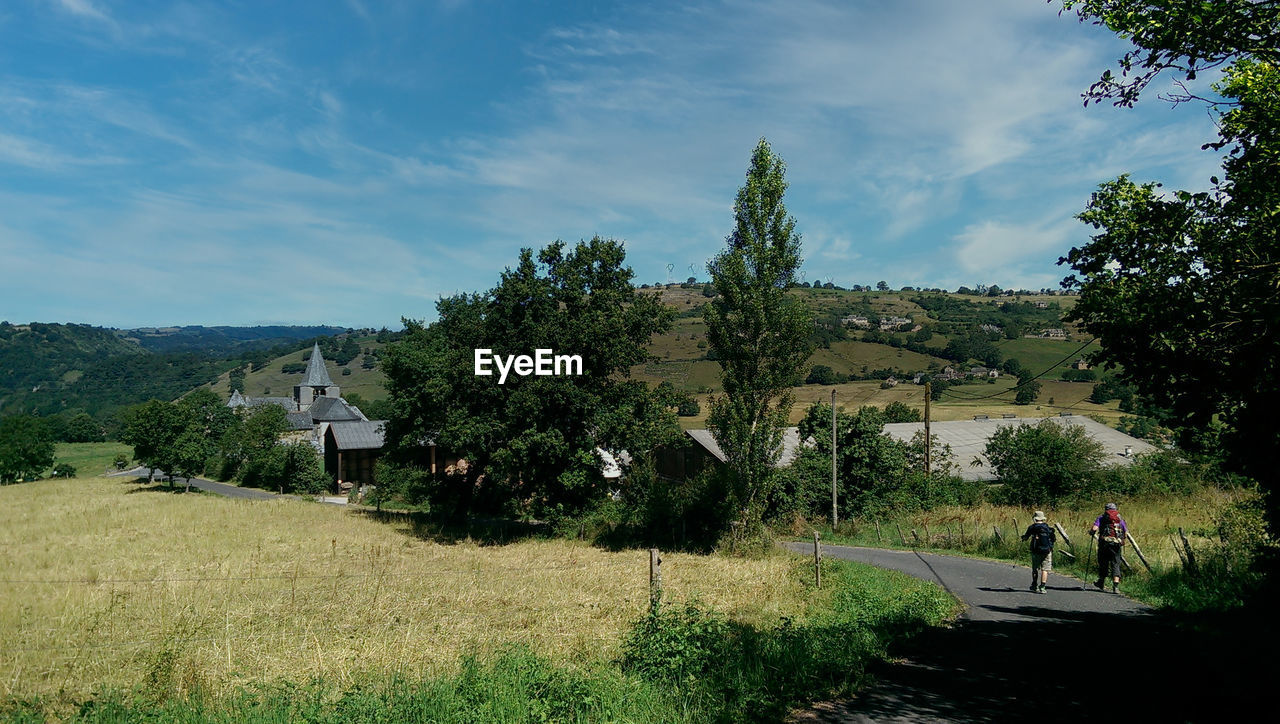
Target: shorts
[{"x": 1042, "y": 561}]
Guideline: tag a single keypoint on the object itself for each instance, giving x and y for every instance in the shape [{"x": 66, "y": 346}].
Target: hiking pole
[{"x": 1088, "y": 557}]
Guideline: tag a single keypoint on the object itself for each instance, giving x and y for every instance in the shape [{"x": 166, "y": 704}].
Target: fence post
[
  {"x": 817, "y": 561},
  {"x": 878, "y": 538},
  {"x": 928, "y": 537},
  {"x": 1138, "y": 550},
  {"x": 655, "y": 580},
  {"x": 1191, "y": 557},
  {"x": 900, "y": 535},
  {"x": 1064, "y": 535},
  {"x": 999, "y": 538}
]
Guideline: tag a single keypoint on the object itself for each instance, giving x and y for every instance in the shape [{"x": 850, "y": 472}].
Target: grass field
[
  {"x": 108, "y": 583},
  {"x": 90, "y": 458},
  {"x": 271, "y": 382}
]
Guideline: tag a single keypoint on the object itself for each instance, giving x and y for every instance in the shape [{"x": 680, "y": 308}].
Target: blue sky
[{"x": 349, "y": 162}]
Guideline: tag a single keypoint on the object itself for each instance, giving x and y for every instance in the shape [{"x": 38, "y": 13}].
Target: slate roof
[
  {"x": 286, "y": 402},
  {"x": 333, "y": 409},
  {"x": 299, "y": 420},
  {"x": 316, "y": 375},
  {"x": 358, "y": 434},
  {"x": 968, "y": 438},
  {"x": 790, "y": 444}
]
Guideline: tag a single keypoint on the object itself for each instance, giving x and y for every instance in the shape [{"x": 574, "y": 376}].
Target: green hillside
[{"x": 272, "y": 381}]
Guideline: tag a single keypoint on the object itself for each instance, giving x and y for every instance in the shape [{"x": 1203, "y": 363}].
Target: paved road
[
  {"x": 210, "y": 486},
  {"x": 1017, "y": 655}
]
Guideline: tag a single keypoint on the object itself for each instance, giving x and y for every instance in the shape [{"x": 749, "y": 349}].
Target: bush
[
  {"x": 64, "y": 470},
  {"x": 1042, "y": 463}
]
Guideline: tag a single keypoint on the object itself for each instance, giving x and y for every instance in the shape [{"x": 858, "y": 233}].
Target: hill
[
  {"x": 50, "y": 369},
  {"x": 221, "y": 341}
]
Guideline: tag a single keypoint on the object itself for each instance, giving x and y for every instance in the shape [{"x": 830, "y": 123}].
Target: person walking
[
  {"x": 1111, "y": 531},
  {"x": 1042, "y": 540}
]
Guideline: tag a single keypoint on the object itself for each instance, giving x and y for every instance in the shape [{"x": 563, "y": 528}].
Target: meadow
[{"x": 111, "y": 585}]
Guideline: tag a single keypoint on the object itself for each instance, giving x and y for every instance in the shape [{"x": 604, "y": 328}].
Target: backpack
[
  {"x": 1110, "y": 530},
  {"x": 1041, "y": 538}
]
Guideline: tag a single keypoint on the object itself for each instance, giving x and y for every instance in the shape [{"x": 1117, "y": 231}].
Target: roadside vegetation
[{"x": 180, "y": 607}]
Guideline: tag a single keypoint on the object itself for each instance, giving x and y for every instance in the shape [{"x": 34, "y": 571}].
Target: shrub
[{"x": 64, "y": 470}]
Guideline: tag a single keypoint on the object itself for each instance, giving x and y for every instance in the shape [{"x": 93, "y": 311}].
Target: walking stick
[{"x": 1088, "y": 557}]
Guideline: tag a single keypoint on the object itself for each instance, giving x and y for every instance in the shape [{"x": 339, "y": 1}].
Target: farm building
[
  {"x": 348, "y": 442},
  {"x": 968, "y": 439},
  {"x": 700, "y": 451}
]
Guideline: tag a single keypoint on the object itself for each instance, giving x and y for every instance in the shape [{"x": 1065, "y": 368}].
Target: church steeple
[
  {"x": 317, "y": 374},
  {"x": 315, "y": 382}
]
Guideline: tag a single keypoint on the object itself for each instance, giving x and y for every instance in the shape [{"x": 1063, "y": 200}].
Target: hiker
[
  {"x": 1112, "y": 532},
  {"x": 1042, "y": 540}
]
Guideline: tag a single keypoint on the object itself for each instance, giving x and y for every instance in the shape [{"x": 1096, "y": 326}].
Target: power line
[{"x": 1022, "y": 384}]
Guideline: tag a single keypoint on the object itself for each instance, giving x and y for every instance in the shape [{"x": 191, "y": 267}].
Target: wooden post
[
  {"x": 999, "y": 538},
  {"x": 655, "y": 580},
  {"x": 1067, "y": 553},
  {"x": 1191, "y": 557},
  {"x": 900, "y": 535},
  {"x": 928, "y": 537},
  {"x": 817, "y": 561},
  {"x": 879, "y": 539},
  {"x": 835, "y": 518},
  {"x": 1138, "y": 550},
  {"x": 915, "y": 536},
  {"x": 1174, "y": 542},
  {"x": 1064, "y": 535},
  {"x": 928, "y": 441}
]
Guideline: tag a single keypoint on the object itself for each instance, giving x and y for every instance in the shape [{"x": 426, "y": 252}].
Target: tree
[
  {"x": 1041, "y": 463},
  {"x": 1028, "y": 391},
  {"x": 26, "y": 448},
  {"x": 882, "y": 286},
  {"x": 530, "y": 442},
  {"x": 821, "y": 375},
  {"x": 758, "y": 333},
  {"x": 153, "y": 429},
  {"x": 866, "y": 457},
  {"x": 1179, "y": 288},
  {"x": 898, "y": 411}
]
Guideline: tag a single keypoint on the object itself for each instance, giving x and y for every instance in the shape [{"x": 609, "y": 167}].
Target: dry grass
[
  {"x": 108, "y": 583},
  {"x": 1152, "y": 521}
]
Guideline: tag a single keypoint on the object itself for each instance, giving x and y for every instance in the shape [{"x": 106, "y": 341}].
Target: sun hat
[
  {"x": 1039, "y": 517},
  {"x": 1111, "y": 506}
]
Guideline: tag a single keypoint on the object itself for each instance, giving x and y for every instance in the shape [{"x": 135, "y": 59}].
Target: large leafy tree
[
  {"x": 531, "y": 441},
  {"x": 757, "y": 332},
  {"x": 26, "y": 448},
  {"x": 1040, "y": 463},
  {"x": 153, "y": 429},
  {"x": 1183, "y": 289}
]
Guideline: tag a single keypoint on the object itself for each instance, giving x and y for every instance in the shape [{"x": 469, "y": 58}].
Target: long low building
[{"x": 968, "y": 440}]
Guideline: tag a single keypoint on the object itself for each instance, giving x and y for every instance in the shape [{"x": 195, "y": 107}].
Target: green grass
[
  {"x": 1039, "y": 355},
  {"x": 90, "y": 458},
  {"x": 271, "y": 382}
]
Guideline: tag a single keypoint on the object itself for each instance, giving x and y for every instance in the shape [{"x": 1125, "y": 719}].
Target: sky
[{"x": 349, "y": 163}]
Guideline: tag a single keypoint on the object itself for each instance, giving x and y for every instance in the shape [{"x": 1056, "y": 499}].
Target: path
[
  {"x": 1018, "y": 655},
  {"x": 210, "y": 486}
]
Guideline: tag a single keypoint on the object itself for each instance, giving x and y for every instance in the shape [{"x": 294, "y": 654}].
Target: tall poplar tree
[{"x": 759, "y": 335}]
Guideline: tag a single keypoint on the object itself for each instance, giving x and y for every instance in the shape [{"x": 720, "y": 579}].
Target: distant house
[
  {"x": 1049, "y": 334},
  {"x": 348, "y": 442},
  {"x": 1080, "y": 364},
  {"x": 995, "y": 328},
  {"x": 700, "y": 451},
  {"x": 856, "y": 320},
  {"x": 893, "y": 323}
]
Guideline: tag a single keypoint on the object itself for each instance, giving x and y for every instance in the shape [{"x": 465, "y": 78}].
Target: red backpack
[{"x": 1111, "y": 531}]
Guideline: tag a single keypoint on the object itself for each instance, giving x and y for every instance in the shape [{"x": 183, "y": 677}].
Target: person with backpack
[
  {"x": 1042, "y": 540},
  {"x": 1111, "y": 531}
]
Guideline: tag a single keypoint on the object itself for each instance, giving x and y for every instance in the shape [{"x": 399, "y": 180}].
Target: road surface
[{"x": 1013, "y": 655}]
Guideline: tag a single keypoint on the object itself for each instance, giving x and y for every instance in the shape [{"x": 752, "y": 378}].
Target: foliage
[
  {"x": 1040, "y": 464},
  {"x": 1179, "y": 287},
  {"x": 26, "y": 448},
  {"x": 530, "y": 443},
  {"x": 898, "y": 411},
  {"x": 64, "y": 470},
  {"x": 758, "y": 333},
  {"x": 1028, "y": 391}
]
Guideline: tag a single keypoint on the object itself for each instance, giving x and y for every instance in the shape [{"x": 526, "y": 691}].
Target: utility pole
[
  {"x": 928, "y": 441},
  {"x": 834, "y": 516}
]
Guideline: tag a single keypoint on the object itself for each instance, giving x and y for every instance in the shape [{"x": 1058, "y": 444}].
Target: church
[{"x": 348, "y": 441}]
